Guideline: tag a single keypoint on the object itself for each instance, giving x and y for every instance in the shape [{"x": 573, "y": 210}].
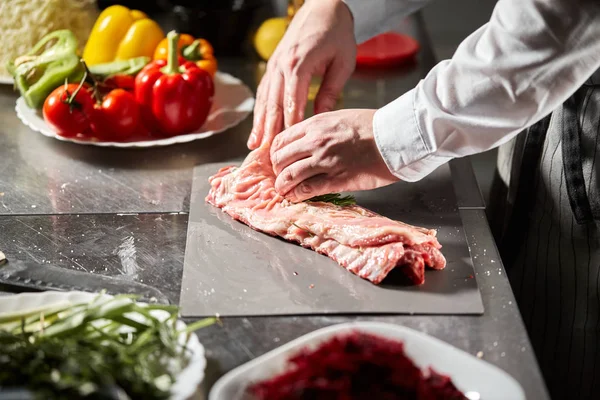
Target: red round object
[
  {"x": 387, "y": 49},
  {"x": 70, "y": 115}
]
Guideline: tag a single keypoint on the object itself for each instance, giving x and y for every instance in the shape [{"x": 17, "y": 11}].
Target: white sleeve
[
  {"x": 507, "y": 75},
  {"x": 372, "y": 17}
]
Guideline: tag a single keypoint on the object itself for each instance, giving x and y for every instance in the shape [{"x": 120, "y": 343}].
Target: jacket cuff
[
  {"x": 366, "y": 17},
  {"x": 408, "y": 154}
]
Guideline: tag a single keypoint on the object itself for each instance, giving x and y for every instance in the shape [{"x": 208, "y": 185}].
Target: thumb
[
  {"x": 333, "y": 82},
  {"x": 314, "y": 186}
]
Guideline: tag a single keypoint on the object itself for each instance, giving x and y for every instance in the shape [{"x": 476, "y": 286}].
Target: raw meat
[{"x": 362, "y": 241}]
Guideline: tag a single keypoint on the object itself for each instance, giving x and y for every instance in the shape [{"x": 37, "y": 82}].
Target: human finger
[
  {"x": 295, "y": 97},
  {"x": 273, "y": 122},
  {"x": 288, "y": 136},
  {"x": 296, "y": 173},
  {"x": 259, "y": 112},
  {"x": 316, "y": 185},
  {"x": 287, "y": 155},
  {"x": 332, "y": 85}
]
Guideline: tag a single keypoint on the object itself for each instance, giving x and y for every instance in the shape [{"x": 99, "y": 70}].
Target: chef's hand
[
  {"x": 329, "y": 153},
  {"x": 319, "y": 41}
]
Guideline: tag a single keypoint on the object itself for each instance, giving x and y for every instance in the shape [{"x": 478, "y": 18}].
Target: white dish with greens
[{"x": 85, "y": 345}]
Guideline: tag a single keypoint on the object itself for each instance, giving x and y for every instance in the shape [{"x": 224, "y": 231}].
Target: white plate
[
  {"x": 470, "y": 374},
  {"x": 232, "y": 103},
  {"x": 187, "y": 381},
  {"x": 6, "y": 80}
]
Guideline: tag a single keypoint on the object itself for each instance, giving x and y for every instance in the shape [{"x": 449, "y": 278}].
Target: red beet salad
[{"x": 355, "y": 367}]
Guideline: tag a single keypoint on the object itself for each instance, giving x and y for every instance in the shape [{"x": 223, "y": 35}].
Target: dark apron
[{"x": 545, "y": 214}]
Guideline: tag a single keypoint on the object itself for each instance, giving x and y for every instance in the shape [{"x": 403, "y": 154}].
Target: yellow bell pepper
[{"x": 120, "y": 34}]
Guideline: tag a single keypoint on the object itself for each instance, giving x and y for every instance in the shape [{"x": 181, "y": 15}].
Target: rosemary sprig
[
  {"x": 304, "y": 229},
  {"x": 334, "y": 198}
]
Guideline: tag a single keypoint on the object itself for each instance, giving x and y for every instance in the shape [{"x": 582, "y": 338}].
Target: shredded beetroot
[
  {"x": 438, "y": 387},
  {"x": 355, "y": 367}
]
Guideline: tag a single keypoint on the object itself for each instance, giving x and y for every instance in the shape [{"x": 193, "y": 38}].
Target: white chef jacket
[{"x": 527, "y": 60}]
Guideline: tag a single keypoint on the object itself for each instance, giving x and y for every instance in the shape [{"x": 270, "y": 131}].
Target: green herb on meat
[
  {"x": 110, "y": 348},
  {"x": 334, "y": 198},
  {"x": 304, "y": 229}
]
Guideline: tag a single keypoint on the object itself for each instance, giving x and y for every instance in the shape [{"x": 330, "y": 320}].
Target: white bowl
[
  {"x": 232, "y": 103},
  {"x": 188, "y": 380},
  {"x": 474, "y": 377}
]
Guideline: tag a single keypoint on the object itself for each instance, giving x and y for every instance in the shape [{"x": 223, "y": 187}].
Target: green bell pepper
[
  {"x": 51, "y": 62},
  {"x": 121, "y": 67}
]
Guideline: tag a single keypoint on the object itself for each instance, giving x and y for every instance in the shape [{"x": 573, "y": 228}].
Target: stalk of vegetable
[
  {"x": 199, "y": 51},
  {"x": 175, "y": 97},
  {"x": 109, "y": 348}
]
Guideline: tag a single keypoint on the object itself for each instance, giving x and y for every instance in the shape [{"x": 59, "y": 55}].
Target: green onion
[{"x": 108, "y": 348}]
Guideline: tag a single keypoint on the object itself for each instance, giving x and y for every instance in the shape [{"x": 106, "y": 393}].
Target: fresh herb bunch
[
  {"x": 110, "y": 348},
  {"x": 334, "y": 198}
]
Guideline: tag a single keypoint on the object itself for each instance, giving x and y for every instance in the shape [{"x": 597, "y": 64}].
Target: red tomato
[
  {"x": 118, "y": 118},
  {"x": 126, "y": 82},
  {"x": 69, "y": 110}
]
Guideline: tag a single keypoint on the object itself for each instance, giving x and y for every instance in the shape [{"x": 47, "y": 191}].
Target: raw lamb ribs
[{"x": 365, "y": 243}]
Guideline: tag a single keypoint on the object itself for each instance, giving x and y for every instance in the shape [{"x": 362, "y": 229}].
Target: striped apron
[{"x": 545, "y": 213}]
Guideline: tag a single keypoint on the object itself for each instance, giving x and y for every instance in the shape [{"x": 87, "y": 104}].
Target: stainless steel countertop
[{"x": 78, "y": 206}]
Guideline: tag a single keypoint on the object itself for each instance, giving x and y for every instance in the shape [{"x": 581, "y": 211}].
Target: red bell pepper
[{"x": 175, "y": 96}]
